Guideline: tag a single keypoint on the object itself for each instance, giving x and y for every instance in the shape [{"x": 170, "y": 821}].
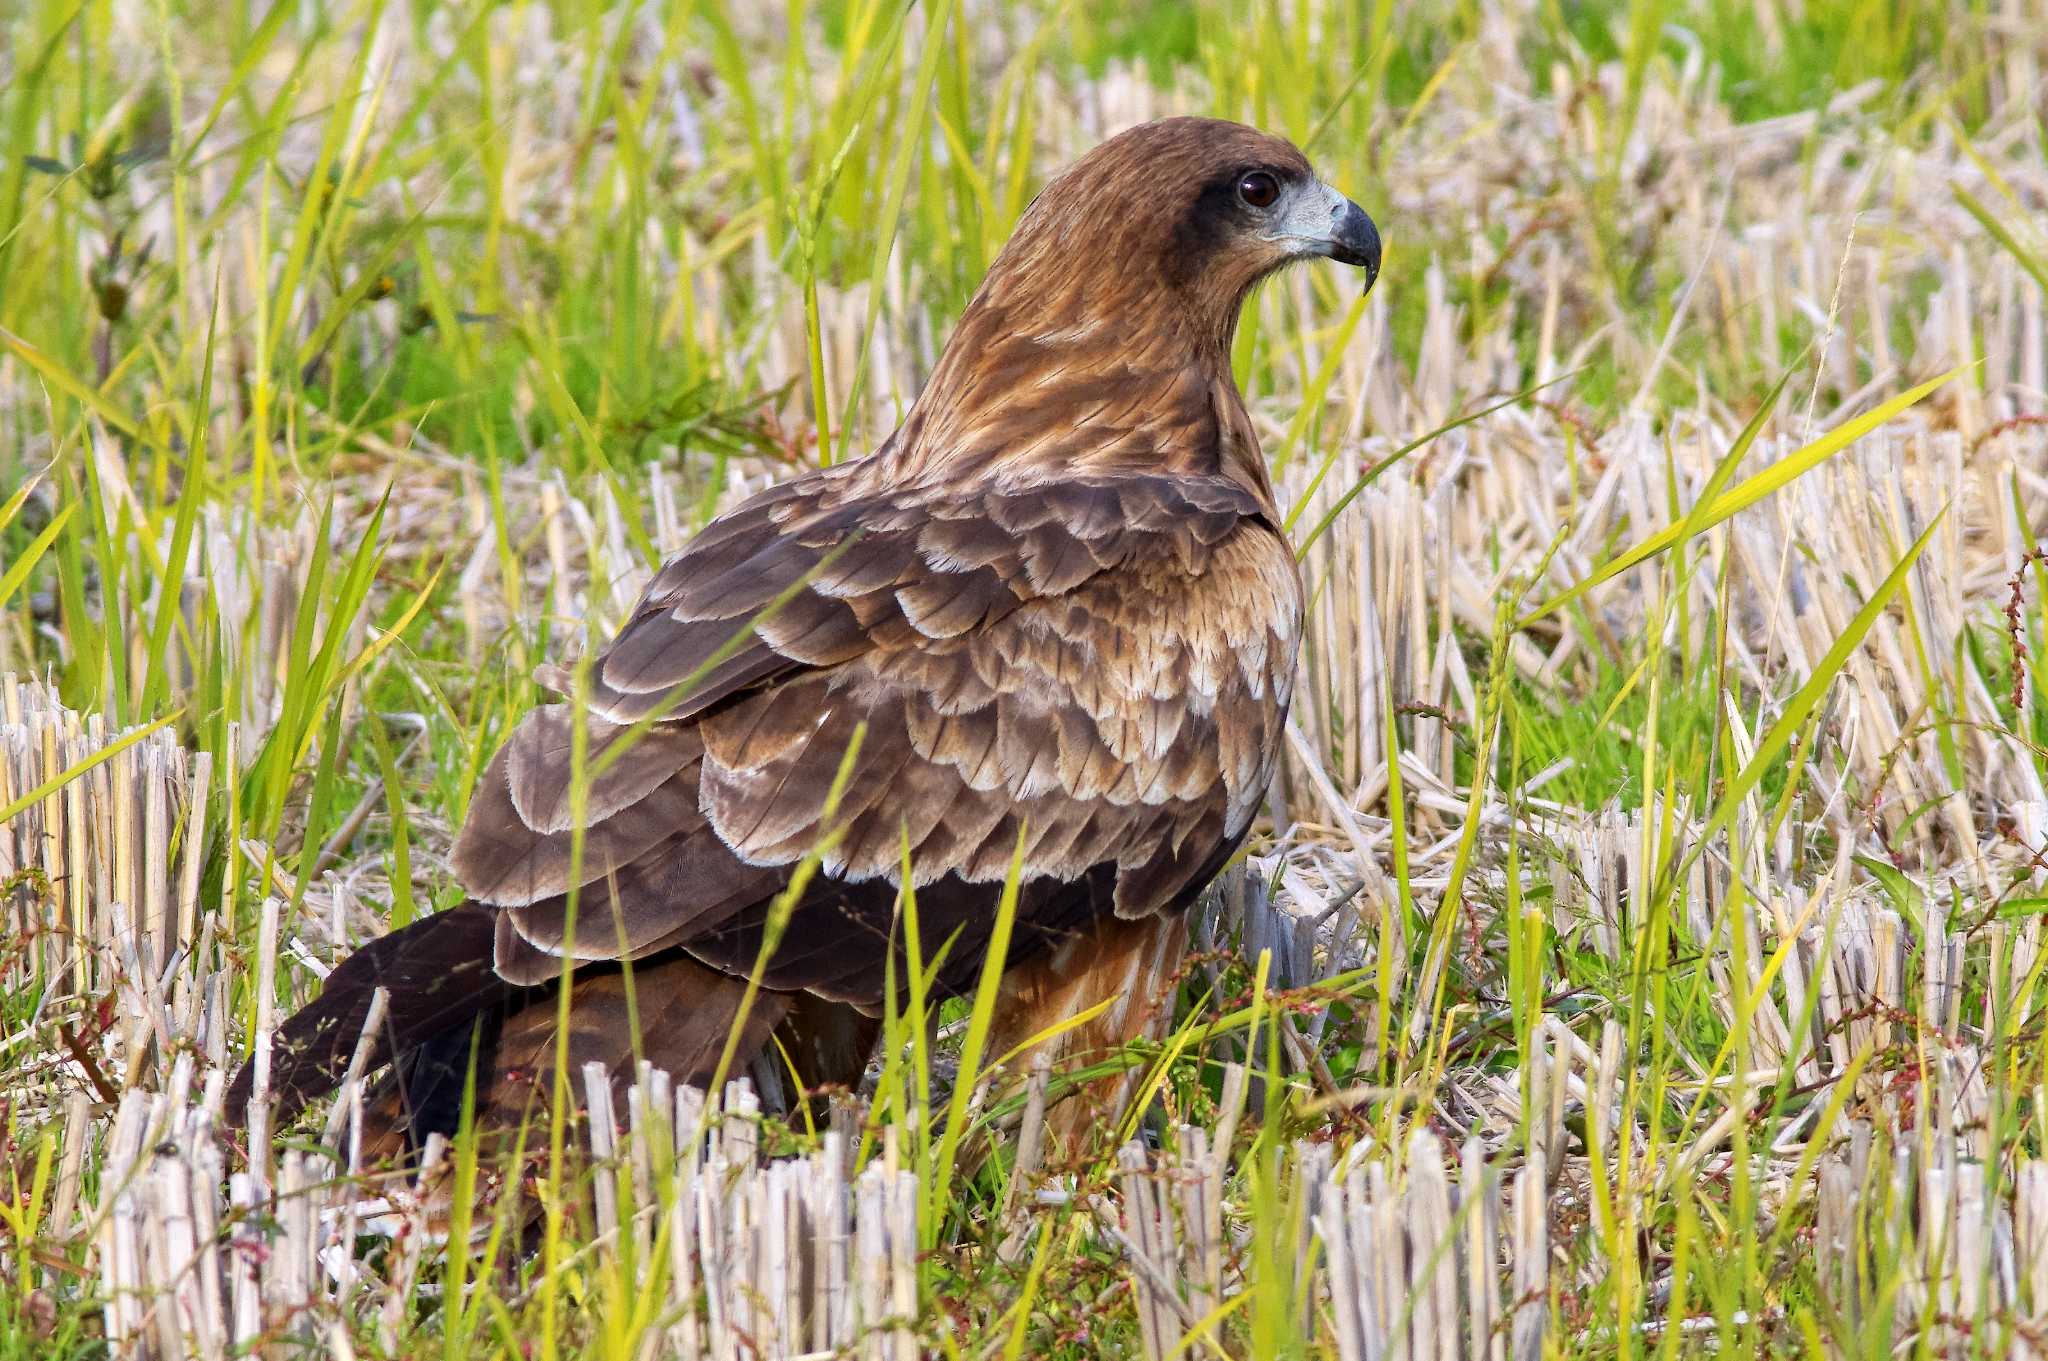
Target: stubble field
[{"x": 1641, "y": 952}]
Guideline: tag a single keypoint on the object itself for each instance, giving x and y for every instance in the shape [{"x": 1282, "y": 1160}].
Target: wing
[
  {"x": 1092, "y": 675},
  {"x": 814, "y": 573}
]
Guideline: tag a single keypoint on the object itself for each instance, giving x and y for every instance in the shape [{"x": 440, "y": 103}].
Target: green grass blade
[
  {"x": 72, "y": 772},
  {"x": 1806, "y": 700},
  {"x": 1372, "y": 474},
  {"x": 981, "y": 1020},
  {"x": 25, "y": 562},
  {"x": 2029, "y": 260},
  {"x": 77, "y": 389},
  {"x": 1751, "y": 490}
]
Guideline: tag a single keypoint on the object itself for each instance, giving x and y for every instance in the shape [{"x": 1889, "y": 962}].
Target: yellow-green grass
[{"x": 1667, "y": 783}]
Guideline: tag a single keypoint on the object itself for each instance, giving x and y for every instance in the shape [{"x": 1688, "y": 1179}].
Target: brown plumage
[{"x": 1055, "y": 605}]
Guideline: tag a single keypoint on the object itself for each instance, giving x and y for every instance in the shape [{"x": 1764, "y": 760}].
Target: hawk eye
[{"x": 1258, "y": 189}]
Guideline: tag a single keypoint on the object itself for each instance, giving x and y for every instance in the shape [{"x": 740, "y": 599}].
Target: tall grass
[{"x": 1663, "y": 810}]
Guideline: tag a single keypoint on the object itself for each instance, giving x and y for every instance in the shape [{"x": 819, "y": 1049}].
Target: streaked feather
[{"x": 1055, "y": 610}]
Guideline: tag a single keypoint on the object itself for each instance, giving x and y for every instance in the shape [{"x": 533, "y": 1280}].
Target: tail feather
[
  {"x": 439, "y": 976},
  {"x": 451, "y": 1014},
  {"x": 673, "y": 1012}
]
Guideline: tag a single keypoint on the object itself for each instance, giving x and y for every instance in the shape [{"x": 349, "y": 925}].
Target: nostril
[{"x": 1357, "y": 240}]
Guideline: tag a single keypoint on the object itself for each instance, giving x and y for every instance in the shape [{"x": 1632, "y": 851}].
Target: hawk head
[
  {"x": 1184, "y": 217},
  {"x": 1101, "y": 337}
]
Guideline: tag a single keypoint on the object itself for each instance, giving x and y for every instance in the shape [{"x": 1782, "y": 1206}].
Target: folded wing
[
  {"x": 1091, "y": 674},
  {"x": 1089, "y": 678}
]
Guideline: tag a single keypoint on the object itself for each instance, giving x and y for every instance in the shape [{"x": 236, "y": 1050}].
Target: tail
[
  {"x": 450, "y": 1014},
  {"x": 439, "y": 976}
]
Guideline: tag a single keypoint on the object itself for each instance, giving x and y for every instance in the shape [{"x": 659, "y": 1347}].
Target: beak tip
[{"x": 1357, "y": 242}]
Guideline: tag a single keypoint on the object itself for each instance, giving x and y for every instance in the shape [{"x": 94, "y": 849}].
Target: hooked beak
[
  {"x": 1354, "y": 240},
  {"x": 1321, "y": 221}
]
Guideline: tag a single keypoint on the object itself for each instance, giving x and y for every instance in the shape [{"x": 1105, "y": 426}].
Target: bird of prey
[{"x": 1051, "y": 620}]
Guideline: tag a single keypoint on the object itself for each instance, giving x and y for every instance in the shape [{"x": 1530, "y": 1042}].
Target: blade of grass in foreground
[
  {"x": 1694, "y": 522},
  {"x": 10, "y": 582},
  {"x": 15, "y": 502},
  {"x": 70, "y": 773},
  {"x": 1744, "y": 494},
  {"x": 1805, "y": 701},
  {"x": 981, "y": 1020}
]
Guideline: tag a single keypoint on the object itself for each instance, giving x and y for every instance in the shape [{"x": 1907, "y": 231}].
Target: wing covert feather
[{"x": 1099, "y": 668}]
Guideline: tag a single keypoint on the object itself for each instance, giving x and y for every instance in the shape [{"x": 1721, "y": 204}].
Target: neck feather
[{"x": 1044, "y": 383}]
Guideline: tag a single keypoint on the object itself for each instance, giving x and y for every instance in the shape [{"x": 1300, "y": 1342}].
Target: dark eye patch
[{"x": 1219, "y": 212}]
